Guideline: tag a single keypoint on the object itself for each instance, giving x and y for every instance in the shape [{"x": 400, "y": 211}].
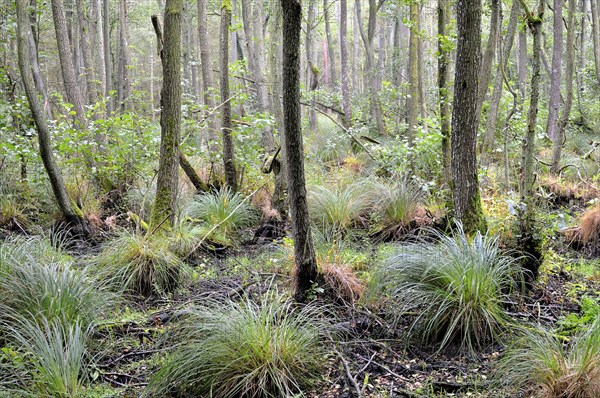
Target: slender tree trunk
[
  {"x": 522, "y": 61},
  {"x": 556, "y": 74},
  {"x": 163, "y": 211},
  {"x": 465, "y": 121},
  {"x": 88, "y": 69},
  {"x": 123, "y": 85},
  {"x": 226, "y": 123},
  {"x": 34, "y": 61},
  {"x": 344, "y": 63},
  {"x": 207, "y": 74},
  {"x": 311, "y": 63},
  {"x": 492, "y": 119},
  {"x": 560, "y": 133},
  {"x": 355, "y": 51},
  {"x": 413, "y": 74},
  {"x": 275, "y": 55},
  {"x": 107, "y": 54},
  {"x": 421, "y": 71},
  {"x": 330, "y": 44},
  {"x": 304, "y": 252},
  {"x": 99, "y": 48},
  {"x": 69, "y": 211},
  {"x": 66, "y": 61},
  {"x": 443, "y": 78},
  {"x": 596, "y": 35},
  {"x": 371, "y": 73},
  {"x": 488, "y": 56}
]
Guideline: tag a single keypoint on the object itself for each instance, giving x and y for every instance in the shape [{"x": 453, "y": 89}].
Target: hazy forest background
[{"x": 243, "y": 198}]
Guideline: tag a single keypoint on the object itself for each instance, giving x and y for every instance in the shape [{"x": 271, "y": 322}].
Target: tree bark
[
  {"x": 443, "y": 78},
  {"x": 207, "y": 75},
  {"x": 163, "y": 211},
  {"x": 467, "y": 198},
  {"x": 413, "y": 74},
  {"x": 304, "y": 253},
  {"x": 556, "y": 74},
  {"x": 226, "y": 123},
  {"x": 311, "y": 63},
  {"x": 330, "y": 45},
  {"x": 123, "y": 85},
  {"x": 69, "y": 211},
  {"x": 522, "y": 61},
  {"x": 89, "y": 71},
  {"x": 569, "y": 70},
  {"x": 488, "y": 56},
  {"x": 344, "y": 63},
  {"x": 595, "y": 6},
  {"x": 99, "y": 41},
  {"x": 107, "y": 54},
  {"x": 66, "y": 62},
  {"x": 492, "y": 118}
]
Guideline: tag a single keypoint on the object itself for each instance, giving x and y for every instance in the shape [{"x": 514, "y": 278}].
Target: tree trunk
[
  {"x": 522, "y": 61},
  {"x": 226, "y": 124},
  {"x": 66, "y": 62},
  {"x": 595, "y": 6},
  {"x": 207, "y": 75},
  {"x": 123, "y": 85},
  {"x": 163, "y": 211},
  {"x": 488, "y": 56},
  {"x": 556, "y": 74},
  {"x": 71, "y": 214},
  {"x": 88, "y": 69},
  {"x": 311, "y": 63},
  {"x": 344, "y": 63},
  {"x": 560, "y": 133},
  {"x": 99, "y": 48},
  {"x": 467, "y": 199},
  {"x": 371, "y": 73},
  {"x": 443, "y": 78},
  {"x": 492, "y": 119},
  {"x": 107, "y": 54},
  {"x": 413, "y": 74},
  {"x": 304, "y": 252},
  {"x": 330, "y": 45}
]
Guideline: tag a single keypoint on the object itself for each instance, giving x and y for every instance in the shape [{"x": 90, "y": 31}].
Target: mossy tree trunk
[
  {"x": 163, "y": 211},
  {"x": 304, "y": 252},
  {"x": 69, "y": 211},
  {"x": 226, "y": 123},
  {"x": 465, "y": 121}
]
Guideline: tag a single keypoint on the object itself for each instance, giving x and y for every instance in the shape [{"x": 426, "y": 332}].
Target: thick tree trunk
[
  {"x": 488, "y": 56},
  {"x": 560, "y": 133},
  {"x": 556, "y": 74},
  {"x": 344, "y": 63},
  {"x": 163, "y": 211},
  {"x": 443, "y": 78},
  {"x": 69, "y": 212},
  {"x": 207, "y": 75},
  {"x": 304, "y": 252},
  {"x": 467, "y": 198},
  {"x": 226, "y": 123}
]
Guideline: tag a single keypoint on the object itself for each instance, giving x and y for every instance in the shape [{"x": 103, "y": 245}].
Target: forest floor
[{"x": 370, "y": 358}]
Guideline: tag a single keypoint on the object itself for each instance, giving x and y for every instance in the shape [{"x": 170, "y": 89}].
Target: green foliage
[
  {"x": 140, "y": 264},
  {"x": 540, "y": 362},
  {"x": 457, "y": 286},
  {"x": 222, "y": 215},
  {"x": 574, "y": 323},
  {"x": 270, "y": 348}
]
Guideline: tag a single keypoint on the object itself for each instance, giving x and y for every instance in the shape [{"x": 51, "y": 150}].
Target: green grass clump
[
  {"x": 13, "y": 215},
  {"x": 141, "y": 264},
  {"x": 244, "y": 349},
  {"x": 222, "y": 215},
  {"x": 397, "y": 204},
  {"x": 39, "y": 249},
  {"x": 542, "y": 363},
  {"x": 457, "y": 286},
  {"x": 55, "y": 355},
  {"x": 340, "y": 209}
]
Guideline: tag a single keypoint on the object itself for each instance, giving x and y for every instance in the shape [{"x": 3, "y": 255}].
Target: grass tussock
[
  {"x": 543, "y": 364},
  {"x": 399, "y": 207},
  {"x": 141, "y": 264},
  {"x": 456, "y": 286},
  {"x": 590, "y": 225},
  {"x": 342, "y": 281},
  {"x": 222, "y": 215},
  {"x": 270, "y": 348}
]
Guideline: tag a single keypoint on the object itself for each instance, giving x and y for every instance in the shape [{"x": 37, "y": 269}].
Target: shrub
[
  {"x": 141, "y": 264},
  {"x": 543, "y": 364},
  {"x": 244, "y": 349},
  {"x": 457, "y": 287},
  {"x": 225, "y": 210}
]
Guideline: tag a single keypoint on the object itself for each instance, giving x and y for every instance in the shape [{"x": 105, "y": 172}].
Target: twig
[{"x": 351, "y": 379}]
